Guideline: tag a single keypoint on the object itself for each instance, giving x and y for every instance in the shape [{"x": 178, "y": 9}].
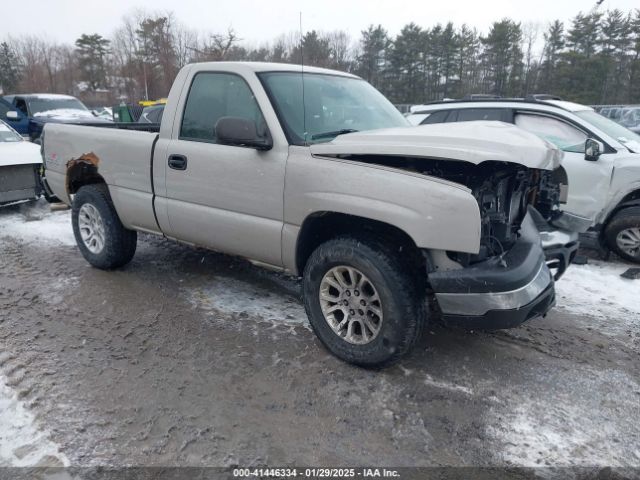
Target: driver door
[{"x": 227, "y": 198}]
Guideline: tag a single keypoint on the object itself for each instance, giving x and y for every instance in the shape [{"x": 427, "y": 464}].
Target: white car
[
  {"x": 601, "y": 159},
  {"x": 631, "y": 119},
  {"x": 20, "y": 163}
]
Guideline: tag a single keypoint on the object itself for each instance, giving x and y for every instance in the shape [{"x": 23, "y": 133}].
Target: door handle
[{"x": 178, "y": 162}]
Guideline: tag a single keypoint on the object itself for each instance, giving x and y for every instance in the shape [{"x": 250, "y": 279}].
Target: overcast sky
[{"x": 256, "y": 21}]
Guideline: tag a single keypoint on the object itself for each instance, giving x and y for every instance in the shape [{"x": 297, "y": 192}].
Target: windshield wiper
[{"x": 334, "y": 133}]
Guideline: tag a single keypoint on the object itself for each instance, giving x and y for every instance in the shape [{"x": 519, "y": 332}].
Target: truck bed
[{"x": 121, "y": 156}]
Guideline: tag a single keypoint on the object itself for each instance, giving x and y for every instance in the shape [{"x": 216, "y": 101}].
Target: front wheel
[
  {"x": 362, "y": 301},
  {"x": 102, "y": 239},
  {"x": 622, "y": 234}
]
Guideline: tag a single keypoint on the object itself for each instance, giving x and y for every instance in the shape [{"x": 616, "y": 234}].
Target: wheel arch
[
  {"x": 322, "y": 226},
  {"x": 82, "y": 171},
  {"x": 631, "y": 199}
]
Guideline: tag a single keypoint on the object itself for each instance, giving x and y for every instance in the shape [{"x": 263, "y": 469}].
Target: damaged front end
[
  {"x": 508, "y": 281},
  {"x": 501, "y": 291},
  {"x": 518, "y": 183},
  {"x": 506, "y": 193}
]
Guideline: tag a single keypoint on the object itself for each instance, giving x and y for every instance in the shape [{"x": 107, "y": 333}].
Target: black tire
[
  {"x": 622, "y": 220},
  {"x": 119, "y": 242},
  {"x": 403, "y": 299}
]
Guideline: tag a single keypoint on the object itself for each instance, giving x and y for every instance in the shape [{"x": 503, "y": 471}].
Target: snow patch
[
  {"x": 430, "y": 381},
  {"x": 65, "y": 114},
  {"x": 597, "y": 291},
  {"x": 35, "y": 225},
  {"x": 22, "y": 443},
  {"x": 564, "y": 425},
  {"x": 231, "y": 296},
  {"x": 52, "y": 96}
]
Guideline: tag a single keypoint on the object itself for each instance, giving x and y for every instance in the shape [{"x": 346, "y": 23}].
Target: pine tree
[
  {"x": 9, "y": 69},
  {"x": 502, "y": 58},
  {"x": 633, "y": 85},
  {"x": 581, "y": 72},
  {"x": 91, "y": 51},
  {"x": 407, "y": 58},
  {"x": 448, "y": 46},
  {"x": 371, "y": 61},
  {"x": 616, "y": 40},
  {"x": 157, "y": 55},
  {"x": 316, "y": 49},
  {"x": 468, "y": 46},
  {"x": 584, "y": 35},
  {"x": 553, "y": 44}
]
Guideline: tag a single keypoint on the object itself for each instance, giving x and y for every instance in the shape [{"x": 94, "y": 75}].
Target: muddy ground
[{"x": 187, "y": 357}]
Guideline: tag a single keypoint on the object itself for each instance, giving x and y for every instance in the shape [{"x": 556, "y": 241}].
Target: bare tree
[
  {"x": 342, "y": 55},
  {"x": 530, "y": 35},
  {"x": 216, "y": 46}
]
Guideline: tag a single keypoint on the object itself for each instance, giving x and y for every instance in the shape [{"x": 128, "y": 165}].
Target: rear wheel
[
  {"x": 622, "y": 234},
  {"x": 102, "y": 239},
  {"x": 362, "y": 301}
]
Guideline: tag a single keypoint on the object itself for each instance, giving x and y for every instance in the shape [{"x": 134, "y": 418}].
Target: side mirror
[
  {"x": 593, "y": 149},
  {"x": 241, "y": 132},
  {"x": 13, "y": 115}
]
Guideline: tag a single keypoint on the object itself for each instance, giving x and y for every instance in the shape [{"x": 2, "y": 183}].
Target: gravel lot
[{"x": 191, "y": 358}]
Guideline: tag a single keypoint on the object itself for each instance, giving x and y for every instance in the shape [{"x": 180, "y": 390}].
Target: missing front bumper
[{"x": 500, "y": 292}]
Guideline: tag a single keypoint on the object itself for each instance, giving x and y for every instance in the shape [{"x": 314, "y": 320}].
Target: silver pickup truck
[{"x": 314, "y": 173}]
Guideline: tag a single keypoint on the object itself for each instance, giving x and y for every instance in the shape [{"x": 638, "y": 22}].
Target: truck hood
[
  {"x": 473, "y": 142},
  {"x": 19, "y": 153}
]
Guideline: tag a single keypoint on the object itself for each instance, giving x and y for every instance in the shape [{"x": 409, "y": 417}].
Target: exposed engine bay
[{"x": 504, "y": 192}]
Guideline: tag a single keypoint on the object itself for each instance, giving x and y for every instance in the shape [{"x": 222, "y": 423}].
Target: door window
[
  {"x": 472, "y": 114},
  {"x": 4, "y": 108},
  {"x": 216, "y": 95},
  {"x": 436, "y": 117},
  {"x": 561, "y": 134},
  {"x": 21, "y": 105}
]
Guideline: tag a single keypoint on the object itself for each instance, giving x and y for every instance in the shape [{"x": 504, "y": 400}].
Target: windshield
[
  {"x": 8, "y": 135},
  {"x": 46, "y": 104},
  {"x": 611, "y": 128},
  {"x": 332, "y": 105}
]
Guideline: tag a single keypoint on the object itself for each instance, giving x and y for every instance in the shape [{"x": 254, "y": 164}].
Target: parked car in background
[
  {"x": 28, "y": 113},
  {"x": 601, "y": 158},
  {"x": 103, "y": 112},
  {"x": 631, "y": 119},
  {"x": 331, "y": 185},
  {"x": 8, "y": 114},
  {"x": 20, "y": 162},
  {"x": 614, "y": 113}
]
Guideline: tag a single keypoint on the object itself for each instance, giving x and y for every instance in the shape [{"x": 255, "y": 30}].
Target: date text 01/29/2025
[{"x": 315, "y": 473}]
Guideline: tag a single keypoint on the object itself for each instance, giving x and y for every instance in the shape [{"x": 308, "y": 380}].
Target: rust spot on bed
[
  {"x": 81, "y": 171},
  {"x": 90, "y": 158}
]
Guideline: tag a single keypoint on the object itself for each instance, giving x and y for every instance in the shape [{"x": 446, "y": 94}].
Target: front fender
[
  {"x": 435, "y": 213},
  {"x": 624, "y": 181}
]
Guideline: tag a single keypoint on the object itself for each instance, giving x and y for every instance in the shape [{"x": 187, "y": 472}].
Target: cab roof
[{"x": 259, "y": 67}]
